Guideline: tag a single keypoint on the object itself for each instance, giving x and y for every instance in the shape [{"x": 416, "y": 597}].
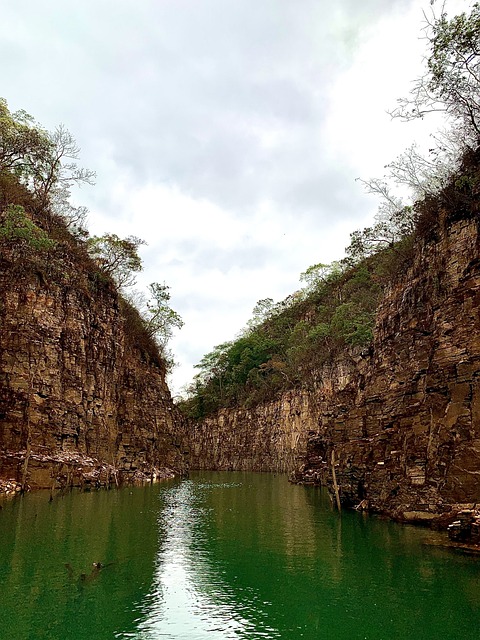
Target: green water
[{"x": 225, "y": 556}]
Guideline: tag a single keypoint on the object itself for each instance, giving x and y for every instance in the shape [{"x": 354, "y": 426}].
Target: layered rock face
[
  {"x": 80, "y": 400},
  {"x": 401, "y": 420},
  {"x": 268, "y": 437},
  {"x": 406, "y": 438}
]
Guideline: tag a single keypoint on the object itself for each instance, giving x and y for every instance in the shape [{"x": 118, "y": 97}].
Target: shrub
[{"x": 17, "y": 226}]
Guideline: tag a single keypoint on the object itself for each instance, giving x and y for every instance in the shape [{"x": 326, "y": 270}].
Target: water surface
[{"x": 225, "y": 556}]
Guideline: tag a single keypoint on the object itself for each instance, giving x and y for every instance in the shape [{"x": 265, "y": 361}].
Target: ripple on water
[{"x": 225, "y": 557}]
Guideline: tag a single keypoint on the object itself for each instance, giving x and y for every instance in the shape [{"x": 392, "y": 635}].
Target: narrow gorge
[
  {"x": 395, "y": 424},
  {"x": 400, "y": 420}
]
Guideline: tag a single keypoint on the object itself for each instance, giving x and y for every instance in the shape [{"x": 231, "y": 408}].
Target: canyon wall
[
  {"x": 81, "y": 398},
  {"x": 407, "y": 439},
  {"x": 268, "y": 437},
  {"x": 402, "y": 419}
]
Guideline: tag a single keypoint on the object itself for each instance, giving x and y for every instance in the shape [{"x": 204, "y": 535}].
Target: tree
[
  {"x": 262, "y": 310},
  {"x": 212, "y": 368},
  {"x": 315, "y": 275},
  {"x": 426, "y": 175},
  {"x": 451, "y": 80},
  {"x": 45, "y": 163},
  {"x": 160, "y": 319},
  {"x": 450, "y": 84},
  {"x": 117, "y": 257},
  {"x": 320, "y": 274},
  {"x": 55, "y": 171},
  {"x": 22, "y": 141},
  {"x": 394, "y": 221}
]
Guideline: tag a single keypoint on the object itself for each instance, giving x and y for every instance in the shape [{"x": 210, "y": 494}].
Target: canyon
[
  {"x": 396, "y": 426},
  {"x": 82, "y": 400},
  {"x": 393, "y": 428}
]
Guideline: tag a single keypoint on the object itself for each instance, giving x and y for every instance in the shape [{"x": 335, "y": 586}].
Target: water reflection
[
  {"x": 188, "y": 598},
  {"x": 256, "y": 558},
  {"x": 232, "y": 556}
]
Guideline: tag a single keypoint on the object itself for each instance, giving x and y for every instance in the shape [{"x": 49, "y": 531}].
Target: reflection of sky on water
[
  {"x": 188, "y": 600},
  {"x": 257, "y": 558}
]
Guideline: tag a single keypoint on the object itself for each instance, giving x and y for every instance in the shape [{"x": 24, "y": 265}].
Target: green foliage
[
  {"x": 315, "y": 275},
  {"x": 160, "y": 319},
  {"x": 37, "y": 171},
  {"x": 118, "y": 257},
  {"x": 135, "y": 332},
  {"x": 295, "y": 338},
  {"x": 394, "y": 221},
  {"x": 320, "y": 274},
  {"x": 450, "y": 84},
  {"x": 286, "y": 343},
  {"x": 453, "y": 67},
  {"x": 451, "y": 80},
  {"x": 261, "y": 311},
  {"x": 156, "y": 319},
  {"x": 351, "y": 324},
  {"x": 15, "y": 225},
  {"x": 22, "y": 141},
  {"x": 45, "y": 163}
]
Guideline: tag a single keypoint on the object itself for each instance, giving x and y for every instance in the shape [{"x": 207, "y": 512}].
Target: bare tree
[
  {"x": 55, "y": 171},
  {"x": 451, "y": 81}
]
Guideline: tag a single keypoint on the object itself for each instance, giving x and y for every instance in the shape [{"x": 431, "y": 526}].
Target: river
[{"x": 225, "y": 556}]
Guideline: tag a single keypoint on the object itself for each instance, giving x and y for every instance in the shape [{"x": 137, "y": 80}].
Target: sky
[{"x": 228, "y": 134}]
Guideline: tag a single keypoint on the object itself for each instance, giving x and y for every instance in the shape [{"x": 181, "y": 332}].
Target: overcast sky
[{"x": 226, "y": 133}]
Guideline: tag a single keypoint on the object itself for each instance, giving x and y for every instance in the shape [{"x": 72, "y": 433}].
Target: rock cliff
[
  {"x": 406, "y": 440},
  {"x": 402, "y": 420},
  {"x": 82, "y": 398},
  {"x": 267, "y": 437}
]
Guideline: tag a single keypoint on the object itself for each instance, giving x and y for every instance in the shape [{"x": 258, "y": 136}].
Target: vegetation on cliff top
[
  {"x": 38, "y": 221},
  {"x": 286, "y": 344}
]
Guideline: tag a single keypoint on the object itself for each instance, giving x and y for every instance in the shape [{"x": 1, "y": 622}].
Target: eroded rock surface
[
  {"x": 74, "y": 381},
  {"x": 403, "y": 418},
  {"x": 407, "y": 439}
]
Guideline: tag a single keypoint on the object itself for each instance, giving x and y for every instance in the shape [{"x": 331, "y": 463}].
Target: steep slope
[
  {"x": 83, "y": 396},
  {"x": 406, "y": 437},
  {"x": 400, "y": 420}
]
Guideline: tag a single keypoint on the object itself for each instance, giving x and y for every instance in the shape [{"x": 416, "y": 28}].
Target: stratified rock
[
  {"x": 77, "y": 382},
  {"x": 402, "y": 418}
]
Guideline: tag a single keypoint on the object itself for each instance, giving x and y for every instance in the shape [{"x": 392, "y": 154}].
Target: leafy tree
[
  {"x": 449, "y": 84},
  {"x": 39, "y": 169},
  {"x": 315, "y": 275},
  {"x": 150, "y": 321},
  {"x": 160, "y": 319},
  {"x": 320, "y": 274},
  {"x": 262, "y": 310},
  {"x": 288, "y": 342},
  {"x": 212, "y": 371},
  {"x": 45, "y": 162},
  {"x": 118, "y": 257},
  {"x": 352, "y": 324},
  {"x": 22, "y": 141}
]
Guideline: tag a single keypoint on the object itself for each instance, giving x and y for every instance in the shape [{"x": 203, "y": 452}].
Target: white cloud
[{"x": 227, "y": 134}]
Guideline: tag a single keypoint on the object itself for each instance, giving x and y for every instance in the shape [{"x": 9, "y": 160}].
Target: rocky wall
[
  {"x": 266, "y": 438},
  {"x": 73, "y": 380},
  {"x": 407, "y": 443},
  {"x": 402, "y": 419}
]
